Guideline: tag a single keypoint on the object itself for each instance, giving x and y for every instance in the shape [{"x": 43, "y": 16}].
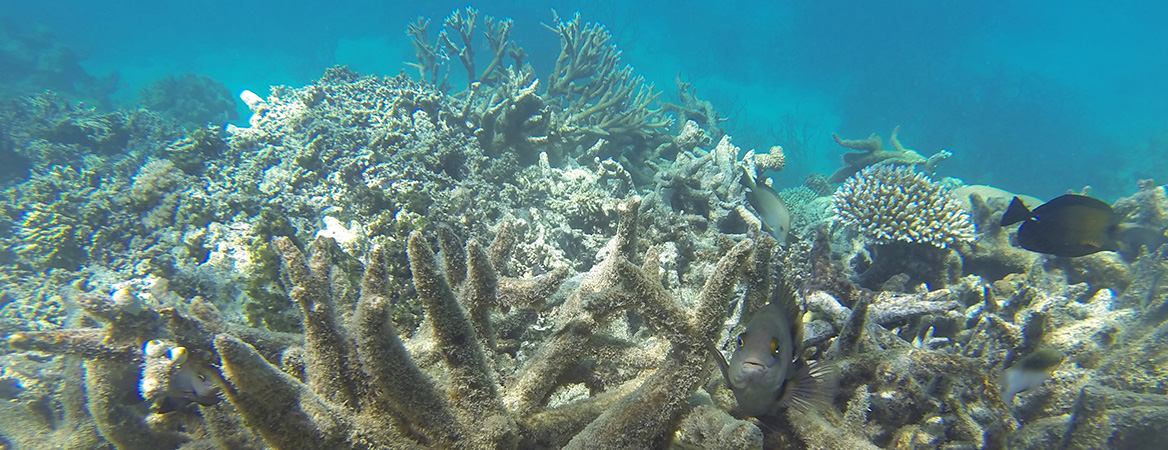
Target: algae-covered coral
[{"x": 396, "y": 263}]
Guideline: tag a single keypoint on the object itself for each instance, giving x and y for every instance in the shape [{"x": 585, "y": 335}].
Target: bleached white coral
[{"x": 895, "y": 203}]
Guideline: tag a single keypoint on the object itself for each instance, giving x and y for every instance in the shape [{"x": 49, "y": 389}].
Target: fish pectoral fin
[
  {"x": 720, "y": 359},
  {"x": 812, "y": 385}
]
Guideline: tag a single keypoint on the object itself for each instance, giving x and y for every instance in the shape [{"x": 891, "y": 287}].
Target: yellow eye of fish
[
  {"x": 775, "y": 346},
  {"x": 740, "y": 340}
]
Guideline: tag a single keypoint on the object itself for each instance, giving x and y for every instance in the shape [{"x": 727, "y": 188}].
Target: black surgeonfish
[
  {"x": 767, "y": 371},
  {"x": 1070, "y": 225}
]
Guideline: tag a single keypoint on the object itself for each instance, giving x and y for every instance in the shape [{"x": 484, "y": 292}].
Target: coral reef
[
  {"x": 192, "y": 100},
  {"x": 322, "y": 278},
  {"x": 909, "y": 223},
  {"x": 36, "y": 61},
  {"x": 352, "y": 383},
  {"x": 588, "y": 97}
]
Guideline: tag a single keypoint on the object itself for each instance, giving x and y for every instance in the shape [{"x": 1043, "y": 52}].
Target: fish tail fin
[
  {"x": 813, "y": 386},
  {"x": 1016, "y": 212},
  {"x": 747, "y": 179}
]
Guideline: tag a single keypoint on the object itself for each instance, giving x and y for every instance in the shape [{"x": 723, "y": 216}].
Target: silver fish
[
  {"x": 767, "y": 371},
  {"x": 770, "y": 207}
]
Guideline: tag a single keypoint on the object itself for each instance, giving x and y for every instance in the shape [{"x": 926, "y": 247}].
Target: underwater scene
[{"x": 595, "y": 224}]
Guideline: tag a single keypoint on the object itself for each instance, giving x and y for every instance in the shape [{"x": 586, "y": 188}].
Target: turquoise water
[{"x": 1034, "y": 97}]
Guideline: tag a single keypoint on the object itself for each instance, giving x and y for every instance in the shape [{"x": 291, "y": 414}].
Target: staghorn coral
[
  {"x": 702, "y": 182},
  {"x": 511, "y": 117},
  {"x": 589, "y": 96},
  {"x": 871, "y": 152},
  {"x": 598, "y": 97},
  {"x": 693, "y": 109},
  {"x": 353, "y": 383},
  {"x": 774, "y": 159},
  {"x": 113, "y": 353}
]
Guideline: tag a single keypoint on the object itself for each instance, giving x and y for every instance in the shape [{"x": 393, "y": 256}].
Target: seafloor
[{"x": 535, "y": 257}]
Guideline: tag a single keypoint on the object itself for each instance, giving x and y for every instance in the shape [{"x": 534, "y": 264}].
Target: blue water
[{"x": 1034, "y": 97}]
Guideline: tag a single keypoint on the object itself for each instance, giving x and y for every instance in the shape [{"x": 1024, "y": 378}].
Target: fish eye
[
  {"x": 202, "y": 377},
  {"x": 775, "y": 346},
  {"x": 740, "y": 340}
]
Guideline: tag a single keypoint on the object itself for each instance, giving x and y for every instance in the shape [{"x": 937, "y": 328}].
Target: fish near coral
[
  {"x": 193, "y": 383},
  {"x": 767, "y": 371},
  {"x": 172, "y": 379},
  {"x": 771, "y": 209},
  {"x": 1031, "y": 372},
  {"x": 1070, "y": 225}
]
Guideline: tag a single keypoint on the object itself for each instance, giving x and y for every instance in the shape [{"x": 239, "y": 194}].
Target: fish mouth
[{"x": 751, "y": 367}]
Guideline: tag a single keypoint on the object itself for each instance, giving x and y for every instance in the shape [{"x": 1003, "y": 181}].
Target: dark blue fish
[{"x": 1070, "y": 225}]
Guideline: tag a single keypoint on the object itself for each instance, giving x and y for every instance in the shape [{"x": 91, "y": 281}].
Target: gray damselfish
[
  {"x": 192, "y": 383},
  {"x": 767, "y": 371},
  {"x": 770, "y": 207}
]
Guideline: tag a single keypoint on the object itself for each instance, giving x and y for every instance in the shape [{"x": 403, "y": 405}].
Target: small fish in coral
[
  {"x": 1070, "y": 225},
  {"x": 770, "y": 207},
  {"x": 192, "y": 383},
  {"x": 767, "y": 371},
  {"x": 1031, "y": 372}
]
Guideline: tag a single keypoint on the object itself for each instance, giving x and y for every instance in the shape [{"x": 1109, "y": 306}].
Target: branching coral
[
  {"x": 701, "y": 112},
  {"x": 895, "y": 203},
  {"x": 589, "y": 95},
  {"x": 872, "y": 152},
  {"x": 353, "y": 383},
  {"x": 598, "y": 97},
  {"x": 433, "y": 58}
]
